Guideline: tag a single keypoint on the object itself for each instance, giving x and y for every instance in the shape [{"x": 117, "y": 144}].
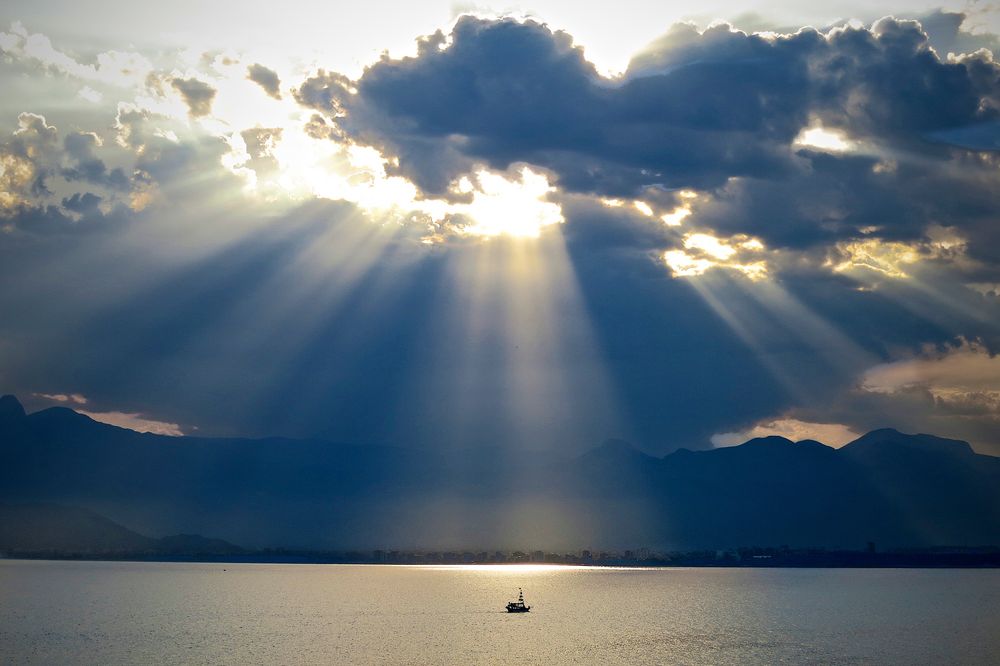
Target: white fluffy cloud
[{"x": 116, "y": 68}]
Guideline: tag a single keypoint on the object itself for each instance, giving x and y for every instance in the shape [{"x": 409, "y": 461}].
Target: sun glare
[
  {"x": 500, "y": 205},
  {"x": 500, "y": 568},
  {"x": 821, "y": 138},
  {"x": 675, "y": 217},
  {"x": 510, "y": 207},
  {"x": 643, "y": 208}
]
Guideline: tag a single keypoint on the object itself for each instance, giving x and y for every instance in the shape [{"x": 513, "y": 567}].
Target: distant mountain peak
[
  {"x": 769, "y": 441},
  {"x": 769, "y": 490},
  {"x": 776, "y": 446},
  {"x": 885, "y": 439},
  {"x": 812, "y": 444},
  {"x": 882, "y": 433},
  {"x": 616, "y": 451},
  {"x": 617, "y": 446},
  {"x": 11, "y": 409},
  {"x": 61, "y": 414}
]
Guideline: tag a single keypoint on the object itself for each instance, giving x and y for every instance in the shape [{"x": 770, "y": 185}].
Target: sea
[{"x": 74, "y": 612}]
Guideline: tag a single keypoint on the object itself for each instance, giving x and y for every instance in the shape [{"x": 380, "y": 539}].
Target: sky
[{"x": 534, "y": 226}]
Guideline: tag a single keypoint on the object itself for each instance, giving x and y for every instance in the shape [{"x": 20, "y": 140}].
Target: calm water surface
[{"x": 165, "y": 613}]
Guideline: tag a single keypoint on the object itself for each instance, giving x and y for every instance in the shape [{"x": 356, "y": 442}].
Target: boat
[{"x": 518, "y": 606}]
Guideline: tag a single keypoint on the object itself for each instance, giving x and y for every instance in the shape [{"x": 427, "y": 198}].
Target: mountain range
[
  {"x": 895, "y": 489},
  {"x": 50, "y": 529}
]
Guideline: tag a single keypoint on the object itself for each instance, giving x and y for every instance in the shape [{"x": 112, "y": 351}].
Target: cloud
[
  {"x": 737, "y": 269},
  {"x": 198, "y": 95},
  {"x": 132, "y": 421},
  {"x": 963, "y": 373},
  {"x": 730, "y": 115},
  {"x": 504, "y": 91},
  {"x": 80, "y": 147},
  {"x": 135, "y": 422},
  {"x": 37, "y": 170},
  {"x": 831, "y": 434},
  {"x": 697, "y": 109},
  {"x": 260, "y": 144},
  {"x": 952, "y": 389},
  {"x": 118, "y": 68},
  {"x": 702, "y": 252},
  {"x": 266, "y": 79},
  {"x": 82, "y": 203},
  {"x": 26, "y": 161},
  {"x": 74, "y": 398},
  {"x": 946, "y": 34},
  {"x": 90, "y": 95}
]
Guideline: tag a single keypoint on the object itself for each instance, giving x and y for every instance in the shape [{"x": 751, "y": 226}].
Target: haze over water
[{"x": 172, "y": 613}]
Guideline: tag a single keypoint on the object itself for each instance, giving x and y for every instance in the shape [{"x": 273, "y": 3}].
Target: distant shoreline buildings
[{"x": 984, "y": 557}]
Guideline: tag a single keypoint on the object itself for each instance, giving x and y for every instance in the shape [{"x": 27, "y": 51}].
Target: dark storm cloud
[
  {"x": 614, "y": 229},
  {"x": 77, "y": 215},
  {"x": 693, "y": 110},
  {"x": 266, "y": 79},
  {"x": 86, "y": 166},
  {"x": 198, "y": 95},
  {"x": 843, "y": 197},
  {"x": 888, "y": 83},
  {"x": 715, "y": 110},
  {"x": 945, "y": 29},
  {"x": 504, "y": 91},
  {"x": 82, "y": 203}
]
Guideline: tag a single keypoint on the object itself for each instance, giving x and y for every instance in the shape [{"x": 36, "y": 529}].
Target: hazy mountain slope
[
  {"x": 895, "y": 489},
  {"x": 52, "y": 528}
]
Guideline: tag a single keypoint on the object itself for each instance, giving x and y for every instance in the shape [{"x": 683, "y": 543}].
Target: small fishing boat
[{"x": 518, "y": 606}]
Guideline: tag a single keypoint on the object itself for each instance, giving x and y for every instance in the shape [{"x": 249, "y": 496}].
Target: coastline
[{"x": 924, "y": 559}]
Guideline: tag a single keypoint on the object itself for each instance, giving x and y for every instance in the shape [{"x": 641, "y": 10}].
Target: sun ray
[
  {"x": 749, "y": 328},
  {"x": 508, "y": 362},
  {"x": 839, "y": 351}
]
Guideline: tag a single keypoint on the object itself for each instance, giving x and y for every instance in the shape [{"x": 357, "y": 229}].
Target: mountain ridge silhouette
[{"x": 886, "y": 486}]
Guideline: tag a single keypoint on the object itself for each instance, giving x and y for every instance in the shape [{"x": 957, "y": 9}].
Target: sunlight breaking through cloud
[
  {"x": 498, "y": 203},
  {"x": 703, "y": 252},
  {"x": 675, "y": 217},
  {"x": 508, "y": 207},
  {"x": 137, "y": 422},
  {"x": 818, "y": 183},
  {"x": 892, "y": 258},
  {"x": 831, "y": 434},
  {"x": 820, "y": 138}
]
